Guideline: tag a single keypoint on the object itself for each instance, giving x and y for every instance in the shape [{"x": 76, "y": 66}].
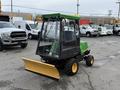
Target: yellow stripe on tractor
[{"x": 41, "y": 68}]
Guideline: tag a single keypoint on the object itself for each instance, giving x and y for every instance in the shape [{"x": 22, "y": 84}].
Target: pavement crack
[
  {"x": 5, "y": 83},
  {"x": 89, "y": 79}
]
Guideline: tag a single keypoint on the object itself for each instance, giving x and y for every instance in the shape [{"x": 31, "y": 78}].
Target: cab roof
[{"x": 59, "y": 15}]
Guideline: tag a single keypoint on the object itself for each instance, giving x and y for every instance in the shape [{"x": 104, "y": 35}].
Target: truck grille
[
  {"x": 18, "y": 34},
  {"x": 95, "y": 31}
]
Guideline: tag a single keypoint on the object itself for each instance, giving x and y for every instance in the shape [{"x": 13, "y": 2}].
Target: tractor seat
[{"x": 68, "y": 35}]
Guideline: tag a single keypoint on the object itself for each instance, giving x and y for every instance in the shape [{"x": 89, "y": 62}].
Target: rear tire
[
  {"x": 24, "y": 45},
  {"x": 114, "y": 33},
  {"x": 89, "y": 60},
  {"x": 71, "y": 67}
]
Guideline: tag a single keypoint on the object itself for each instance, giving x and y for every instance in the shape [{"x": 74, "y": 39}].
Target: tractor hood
[{"x": 83, "y": 46}]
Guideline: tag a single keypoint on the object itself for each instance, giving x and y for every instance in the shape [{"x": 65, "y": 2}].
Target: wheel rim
[
  {"x": 92, "y": 61},
  {"x": 88, "y": 35},
  {"x": 74, "y": 68},
  {"x": 118, "y": 33},
  {"x": 30, "y": 37}
]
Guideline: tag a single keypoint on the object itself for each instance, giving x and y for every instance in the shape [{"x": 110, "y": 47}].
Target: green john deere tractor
[{"x": 59, "y": 47}]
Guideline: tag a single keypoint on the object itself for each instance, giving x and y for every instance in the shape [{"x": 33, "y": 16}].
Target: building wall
[
  {"x": 98, "y": 20},
  {"x": 93, "y": 19},
  {"x": 84, "y": 21},
  {"x": 26, "y": 16}
]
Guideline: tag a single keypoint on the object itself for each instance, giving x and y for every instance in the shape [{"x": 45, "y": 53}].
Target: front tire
[
  {"x": 30, "y": 36},
  {"x": 24, "y": 45},
  {"x": 88, "y": 34},
  {"x": 1, "y": 46},
  {"x": 118, "y": 33},
  {"x": 71, "y": 67},
  {"x": 89, "y": 60}
]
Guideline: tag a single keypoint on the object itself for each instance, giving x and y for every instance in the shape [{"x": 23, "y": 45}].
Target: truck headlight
[
  {"x": 5, "y": 35},
  {"x": 34, "y": 31}
]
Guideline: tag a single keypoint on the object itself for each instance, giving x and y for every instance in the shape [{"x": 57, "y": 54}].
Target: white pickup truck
[
  {"x": 116, "y": 29},
  {"x": 10, "y": 35},
  {"x": 88, "y": 31}
]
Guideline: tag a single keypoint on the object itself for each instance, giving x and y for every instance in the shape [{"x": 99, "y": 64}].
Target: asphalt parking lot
[{"x": 104, "y": 75}]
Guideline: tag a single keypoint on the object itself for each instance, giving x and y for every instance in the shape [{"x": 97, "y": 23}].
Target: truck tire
[
  {"x": 30, "y": 36},
  {"x": 114, "y": 32},
  {"x": 1, "y": 46},
  {"x": 89, "y": 60},
  {"x": 71, "y": 67},
  {"x": 118, "y": 33},
  {"x": 97, "y": 35},
  {"x": 88, "y": 34},
  {"x": 24, "y": 45}
]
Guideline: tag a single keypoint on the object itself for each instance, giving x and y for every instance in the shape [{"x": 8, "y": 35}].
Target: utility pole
[
  {"x": 11, "y": 9},
  {"x": 0, "y": 7},
  {"x": 78, "y": 7},
  {"x": 109, "y": 13},
  {"x": 118, "y": 9},
  {"x": 109, "y": 16}
]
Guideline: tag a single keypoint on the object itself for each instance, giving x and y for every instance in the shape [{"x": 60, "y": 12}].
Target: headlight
[
  {"x": 34, "y": 31},
  {"x": 92, "y": 30},
  {"x": 5, "y": 35}
]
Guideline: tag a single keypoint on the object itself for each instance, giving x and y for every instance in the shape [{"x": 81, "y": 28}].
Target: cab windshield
[{"x": 33, "y": 26}]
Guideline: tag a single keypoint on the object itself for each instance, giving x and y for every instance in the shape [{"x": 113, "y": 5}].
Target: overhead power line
[
  {"x": 40, "y": 9},
  {"x": 48, "y": 10}
]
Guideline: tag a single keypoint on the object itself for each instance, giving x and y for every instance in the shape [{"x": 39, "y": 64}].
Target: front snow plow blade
[{"x": 41, "y": 68}]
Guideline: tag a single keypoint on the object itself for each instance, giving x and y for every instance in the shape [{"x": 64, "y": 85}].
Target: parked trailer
[{"x": 4, "y": 18}]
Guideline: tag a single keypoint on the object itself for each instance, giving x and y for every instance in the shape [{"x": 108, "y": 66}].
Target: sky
[{"x": 87, "y": 7}]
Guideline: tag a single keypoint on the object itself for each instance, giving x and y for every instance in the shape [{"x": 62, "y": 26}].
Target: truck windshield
[
  {"x": 88, "y": 27},
  {"x": 109, "y": 27},
  {"x": 6, "y": 25},
  {"x": 94, "y": 26},
  {"x": 39, "y": 26},
  {"x": 33, "y": 26}
]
